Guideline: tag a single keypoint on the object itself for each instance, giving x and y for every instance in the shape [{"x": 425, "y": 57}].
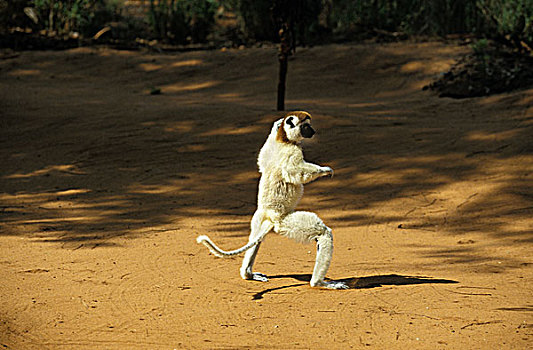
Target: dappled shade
[
  {"x": 104, "y": 187},
  {"x": 92, "y": 169}
]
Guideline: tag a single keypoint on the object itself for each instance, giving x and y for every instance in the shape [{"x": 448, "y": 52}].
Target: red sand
[{"x": 105, "y": 187}]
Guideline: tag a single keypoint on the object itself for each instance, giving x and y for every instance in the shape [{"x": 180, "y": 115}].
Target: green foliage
[
  {"x": 411, "y": 16},
  {"x": 179, "y": 21},
  {"x": 12, "y": 14},
  {"x": 60, "y": 17},
  {"x": 257, "y": 22},
  {"x": 513, "y": 18},
  {"x": 480, "y": 46},
  {"x": 255, "y": 18},
  {"x": 308, "y": 27},
  {"x": 84, "y": 16},
  {"x": 346, "y": 18},
  {"x": 185, "y": 21},
  {"x": 352, "y": 15},
  {"x": 490, "y": 18}
]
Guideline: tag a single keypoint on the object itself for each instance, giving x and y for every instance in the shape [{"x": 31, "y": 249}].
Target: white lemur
[{"x": 283, "y": 173}]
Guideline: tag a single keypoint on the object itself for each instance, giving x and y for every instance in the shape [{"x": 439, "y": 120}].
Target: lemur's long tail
[{"x": 224, "y": 254}]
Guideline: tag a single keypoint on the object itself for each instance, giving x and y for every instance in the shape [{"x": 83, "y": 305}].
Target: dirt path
[{"x": 104, "y": 188}]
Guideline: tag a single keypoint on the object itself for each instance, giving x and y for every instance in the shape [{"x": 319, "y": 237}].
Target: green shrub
[
  {"x": 180, "y": 21},
  {"x": 83, "y": 16},
  {"x": 411, "y": 16},
  {"x": 12, "y": 14},
  {"x": 480, "y": 46},
  {"x": 255, "y": 17},
  {"x": 511, "y": 18},
  {"x": 60, "y": 17},
  {"x": 257, "y": 23},
  {"x": 184, "y": 21}
]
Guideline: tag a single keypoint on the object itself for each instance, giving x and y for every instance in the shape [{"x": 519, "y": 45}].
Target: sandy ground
[{"x": 104, "y": 188}]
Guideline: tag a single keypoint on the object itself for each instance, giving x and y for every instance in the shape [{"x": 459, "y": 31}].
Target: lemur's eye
[{"x": 289, "y": 121}]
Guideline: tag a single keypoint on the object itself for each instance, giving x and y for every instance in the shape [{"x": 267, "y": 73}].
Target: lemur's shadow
[
  {"x": 374, "y": 281},
  {"x": 361, "y": 282}
]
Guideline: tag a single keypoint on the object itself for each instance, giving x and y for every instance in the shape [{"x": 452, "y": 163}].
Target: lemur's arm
[{"x": 298, "y": 171}]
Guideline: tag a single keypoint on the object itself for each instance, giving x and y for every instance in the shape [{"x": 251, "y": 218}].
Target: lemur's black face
[{"x": 307, "y": 131}]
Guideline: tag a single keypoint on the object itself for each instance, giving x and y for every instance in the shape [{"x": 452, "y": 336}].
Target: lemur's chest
[{"x": 273, "y": 189}]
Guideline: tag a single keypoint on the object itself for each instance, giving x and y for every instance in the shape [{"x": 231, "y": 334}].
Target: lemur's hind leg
[
  {"x": 259, "y": 226},
  {"x": 305, "y": 227},
  {"x": 324, "y": 252}
]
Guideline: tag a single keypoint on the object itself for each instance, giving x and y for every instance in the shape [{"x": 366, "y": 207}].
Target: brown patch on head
[
  {"x": 282, "y": 135},
  {"x": 300, "y": 114}
]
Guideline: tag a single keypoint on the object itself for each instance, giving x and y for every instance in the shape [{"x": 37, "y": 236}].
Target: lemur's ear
[{"x": 289, "y": 121}]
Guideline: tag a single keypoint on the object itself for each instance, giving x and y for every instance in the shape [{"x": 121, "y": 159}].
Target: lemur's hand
[{"x": 326, "y": 171}]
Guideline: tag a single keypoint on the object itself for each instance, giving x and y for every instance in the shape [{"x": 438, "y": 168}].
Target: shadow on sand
[{"x": 360, "y": 282}]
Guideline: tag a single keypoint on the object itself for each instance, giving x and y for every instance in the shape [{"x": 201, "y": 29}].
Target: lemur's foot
[
  {"x": 256, "y": 276},
  {"x": 331, "y": 285},
  {"x": 336, "y": 285}
]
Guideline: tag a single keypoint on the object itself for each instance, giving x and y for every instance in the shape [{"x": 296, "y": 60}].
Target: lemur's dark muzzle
[{"x": 307, "y": 131}]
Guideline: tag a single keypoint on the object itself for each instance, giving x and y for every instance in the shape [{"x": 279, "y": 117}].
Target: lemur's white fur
[{"x": 283, "y": 174}]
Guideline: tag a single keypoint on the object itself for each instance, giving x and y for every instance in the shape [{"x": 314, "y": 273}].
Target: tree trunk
[
  {"x": 285, "y": 50},
  {"x": 283, "y": 65}
]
